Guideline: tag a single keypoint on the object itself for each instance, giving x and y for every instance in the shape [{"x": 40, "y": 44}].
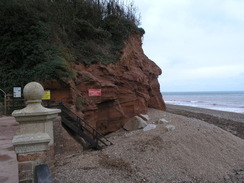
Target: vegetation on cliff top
[{"x": 39, "y": 39}]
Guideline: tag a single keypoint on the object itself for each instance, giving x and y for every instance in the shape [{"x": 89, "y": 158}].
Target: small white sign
[{"x": 17, "y": 92}]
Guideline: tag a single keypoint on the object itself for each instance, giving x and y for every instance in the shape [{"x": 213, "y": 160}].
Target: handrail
[{"x": 94, "y": 132}]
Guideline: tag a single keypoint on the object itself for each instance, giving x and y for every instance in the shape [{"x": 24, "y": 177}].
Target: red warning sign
[{"x": 95, "y": 92}]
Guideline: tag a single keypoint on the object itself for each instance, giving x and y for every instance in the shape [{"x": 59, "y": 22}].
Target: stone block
[
  {"x": 149, "y": 127},
  {"x": 31, "y": 142},
  {"x": 145, "y": 117},
  {"x": 170, "y": 127},
  {"x": 162, "y": 121},
  {"x": 135, "y": 123},
  {"x": 32, "y": 157}
]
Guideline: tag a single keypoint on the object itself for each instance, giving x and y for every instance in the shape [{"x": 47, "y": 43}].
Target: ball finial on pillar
[{"x": 33, "y": 91}]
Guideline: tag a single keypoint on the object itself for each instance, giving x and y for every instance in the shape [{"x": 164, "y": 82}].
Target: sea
[{"x": 231, "y": 101}]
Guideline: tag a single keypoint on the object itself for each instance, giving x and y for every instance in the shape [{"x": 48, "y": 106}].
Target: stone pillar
[{"x": 33, "y": 142}]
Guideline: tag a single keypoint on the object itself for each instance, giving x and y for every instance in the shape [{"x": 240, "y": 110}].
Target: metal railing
[{"x": 68, "y": 116}]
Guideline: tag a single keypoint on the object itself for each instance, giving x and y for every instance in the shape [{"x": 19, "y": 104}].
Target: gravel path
[{"x": 194, "y": 152}]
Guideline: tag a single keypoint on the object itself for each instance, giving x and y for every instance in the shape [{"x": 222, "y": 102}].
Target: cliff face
[{"x": 128, "y": 87}]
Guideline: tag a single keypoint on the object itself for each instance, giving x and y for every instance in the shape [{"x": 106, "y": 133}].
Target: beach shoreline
[
  {"x": 229, "y": 121},
  {"x": 231, "y": 101}
]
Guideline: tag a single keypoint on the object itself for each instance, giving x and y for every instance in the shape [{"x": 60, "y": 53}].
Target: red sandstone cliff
[{"x": 128, "y": 87}]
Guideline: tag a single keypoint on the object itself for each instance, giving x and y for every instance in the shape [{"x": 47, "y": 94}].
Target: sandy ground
[{"x": 195, "y": 151}]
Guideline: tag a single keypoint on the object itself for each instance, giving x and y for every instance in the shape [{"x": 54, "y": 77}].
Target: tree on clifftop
[{"x": 39, "y": 39}]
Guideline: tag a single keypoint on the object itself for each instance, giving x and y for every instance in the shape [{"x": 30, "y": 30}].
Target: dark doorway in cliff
[{"x": 109, "y": 116}]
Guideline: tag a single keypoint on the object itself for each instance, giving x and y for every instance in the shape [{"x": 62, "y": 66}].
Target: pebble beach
[{"x": 204, "y": 146}]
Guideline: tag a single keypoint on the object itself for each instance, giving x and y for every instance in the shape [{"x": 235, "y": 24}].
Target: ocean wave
[
  {"x": 209, "y": 106},
  {"x": 224, "y": 101}
]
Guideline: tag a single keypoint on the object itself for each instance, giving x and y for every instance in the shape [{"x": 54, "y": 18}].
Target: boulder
[
  {"x": 145, "y": 117},
  {"x": 162, "y": 121},
  {"x": 135, "y": 123},
  {"x": 149, "y": 127},
  {"x": 170, "y": 127}
]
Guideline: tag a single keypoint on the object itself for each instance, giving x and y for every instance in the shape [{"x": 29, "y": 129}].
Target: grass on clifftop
[{"x": 39, "y": 39}]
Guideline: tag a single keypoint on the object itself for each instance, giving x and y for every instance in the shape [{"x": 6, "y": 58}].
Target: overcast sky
[{"x": 198, "y": 44}]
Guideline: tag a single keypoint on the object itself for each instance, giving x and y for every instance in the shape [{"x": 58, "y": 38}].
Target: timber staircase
[{"x": 80, "y": 127}]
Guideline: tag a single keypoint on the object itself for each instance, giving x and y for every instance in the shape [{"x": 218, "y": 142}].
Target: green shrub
[
  {"x": 39, "y": 39},
  {"x": 80, "y": 101}
]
